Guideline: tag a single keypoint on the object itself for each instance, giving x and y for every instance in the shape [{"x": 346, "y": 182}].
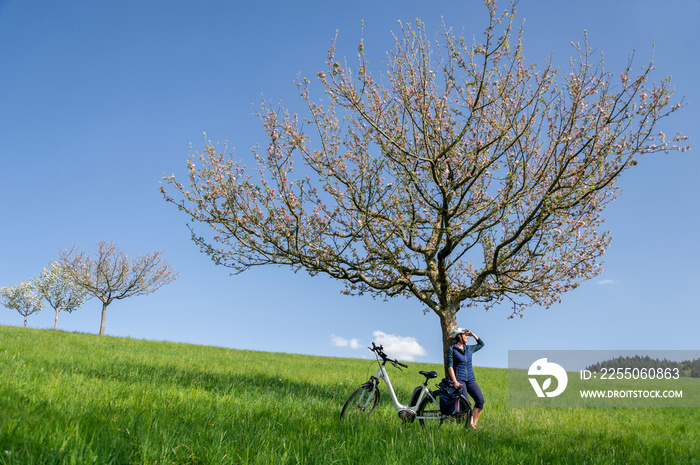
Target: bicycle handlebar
[{"x": 379, "y": 350}]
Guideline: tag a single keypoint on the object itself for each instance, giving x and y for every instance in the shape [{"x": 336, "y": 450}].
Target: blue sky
[{"x": 99, "y": 100}]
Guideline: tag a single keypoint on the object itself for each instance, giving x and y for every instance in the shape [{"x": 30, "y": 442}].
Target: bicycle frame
[{"x": 383, "y": 375}]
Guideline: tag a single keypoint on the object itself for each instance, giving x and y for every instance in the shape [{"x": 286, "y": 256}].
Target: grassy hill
[{"x": 78, "y": 398}]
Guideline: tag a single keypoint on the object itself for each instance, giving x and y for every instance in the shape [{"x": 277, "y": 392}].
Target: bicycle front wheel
[
  {"x": 361, "y": 403},
  {"x": 429, "y": 414}
]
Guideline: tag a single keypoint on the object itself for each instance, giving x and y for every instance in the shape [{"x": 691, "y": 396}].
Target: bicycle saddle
[{"x": 429, "y": 374}]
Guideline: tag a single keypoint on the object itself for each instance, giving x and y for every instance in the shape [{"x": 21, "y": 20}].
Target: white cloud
[
  {"x": 399, "y": 347},
  {"x": 339, "y": 341},
  {"x": 605, "y": 281}
]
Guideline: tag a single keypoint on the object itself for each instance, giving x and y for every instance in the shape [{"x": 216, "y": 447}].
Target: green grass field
[{"x": 80, "y": 399}]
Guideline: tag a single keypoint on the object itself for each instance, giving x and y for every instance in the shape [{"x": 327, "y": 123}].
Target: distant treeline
[{"x": 688, "y": 368}]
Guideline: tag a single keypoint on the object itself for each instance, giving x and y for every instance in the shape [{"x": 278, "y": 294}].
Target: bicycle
[{"x": 424, "y": 404}]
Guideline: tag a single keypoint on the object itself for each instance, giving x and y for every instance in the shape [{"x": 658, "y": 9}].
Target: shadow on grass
[{"x": 213, "y": 382}]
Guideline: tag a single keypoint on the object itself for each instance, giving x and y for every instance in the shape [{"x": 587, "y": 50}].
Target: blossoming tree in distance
[
  {"x": 111, "y": 275},
  {"x": 25, "y": 298},
  {"x": 460, "y": 176},
  {"x": 59, "y": 290}
]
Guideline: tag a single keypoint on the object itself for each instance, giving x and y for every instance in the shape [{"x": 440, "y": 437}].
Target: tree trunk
[
  {"x": 25, "y": 321},
  {"x": 102, "y": 324},
  {"x": 448, "y": 323},
  {"x": 55, "y": 322}
]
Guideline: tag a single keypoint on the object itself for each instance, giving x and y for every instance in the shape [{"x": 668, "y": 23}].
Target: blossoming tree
[
  {"x": 111, "y": 275},
  {"x": 460, "y": 176},
  {"x": 55, "y": 286},
  {"x": 25, "y": 298}
]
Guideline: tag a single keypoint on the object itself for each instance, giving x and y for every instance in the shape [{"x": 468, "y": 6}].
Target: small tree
[
  {"x": 461, "y": 176},
  {"x": 24, "y": 298},
  {"x": 57, "y": 287},
  {"x": 110, "y": 275}
]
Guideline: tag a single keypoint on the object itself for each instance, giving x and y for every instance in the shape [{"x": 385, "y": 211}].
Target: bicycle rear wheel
[
  {"x": 429, "y": 414},
  {"x": 361, "y": 403}
]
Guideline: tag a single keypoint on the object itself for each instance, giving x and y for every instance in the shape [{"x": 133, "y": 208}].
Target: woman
[{"x": 459, "y": 367}]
